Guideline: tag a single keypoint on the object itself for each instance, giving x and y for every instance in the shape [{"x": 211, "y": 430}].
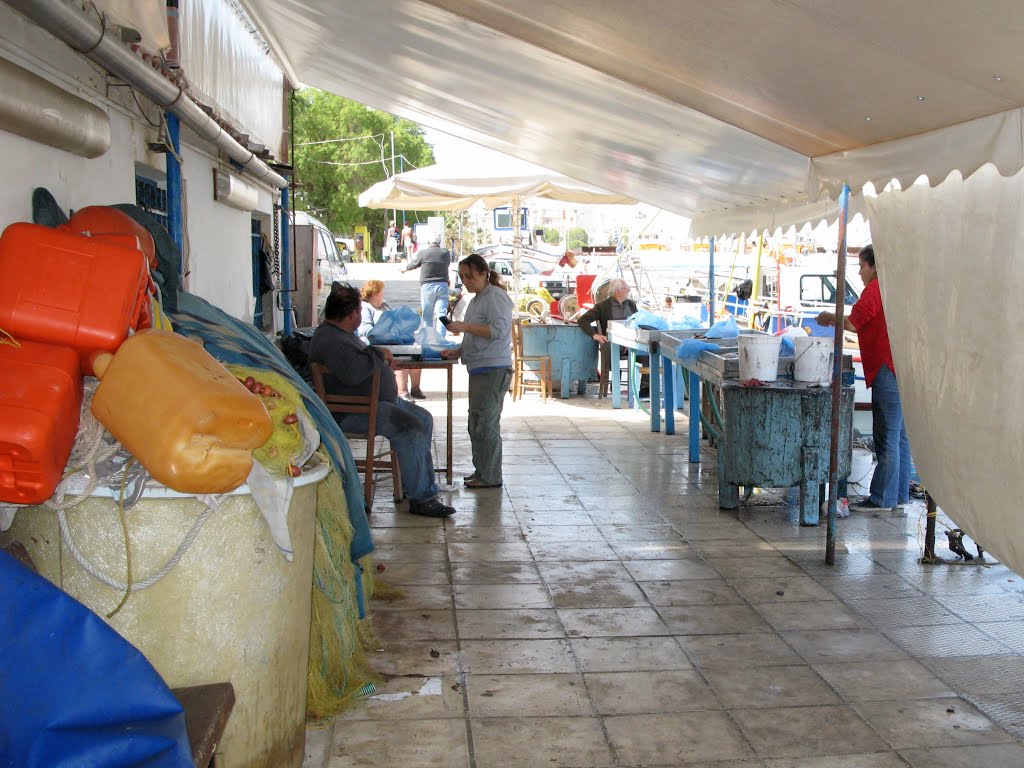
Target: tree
[
  {"x": 356, "y": 155},
  {"x": 552, "y": 236},
  {"x": 577, "y": 238}
]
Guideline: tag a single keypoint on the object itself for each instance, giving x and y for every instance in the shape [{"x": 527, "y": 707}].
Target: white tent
[
  {"x": 456, "y": 187},
  {"x": 506, "y": 182}
]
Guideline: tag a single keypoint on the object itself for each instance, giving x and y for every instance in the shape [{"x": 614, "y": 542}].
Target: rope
[
  {"x": 96, "y": 573},
  {"x": 127, "y": 542},
  {"x": 7, "y": 340}
]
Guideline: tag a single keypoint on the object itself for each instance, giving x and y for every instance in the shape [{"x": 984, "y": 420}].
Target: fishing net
[{"x": 338, "y": 641}]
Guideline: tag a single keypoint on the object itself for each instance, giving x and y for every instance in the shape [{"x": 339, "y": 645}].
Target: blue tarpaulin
[{"x": 73, "y": 692}]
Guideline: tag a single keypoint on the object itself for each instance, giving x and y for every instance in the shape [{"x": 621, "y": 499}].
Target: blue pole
[
  {"x": 286, "y": 264},
  {"x": 694, "y": 416},
  {"x": 174, "y": 202},
  {"x": 711, "y": 290}
]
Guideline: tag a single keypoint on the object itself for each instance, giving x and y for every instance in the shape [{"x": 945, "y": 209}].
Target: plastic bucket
[
  {"x": 813, "y": 360},
  {"x": 759, "y": 357}
]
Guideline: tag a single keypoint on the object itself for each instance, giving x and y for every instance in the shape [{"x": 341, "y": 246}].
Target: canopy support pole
[
  {"x": 711, "y": 286},
  {"x": 756, "y": 292},
  {"x": 837, "y": 379},
  {"x": 517, "y": 251}
]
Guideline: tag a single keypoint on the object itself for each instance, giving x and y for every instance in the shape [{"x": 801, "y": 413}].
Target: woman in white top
[{"x": 373, "y": 307}]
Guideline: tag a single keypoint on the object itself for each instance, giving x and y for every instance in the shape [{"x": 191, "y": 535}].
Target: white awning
[{"x": 691, "y": 106}]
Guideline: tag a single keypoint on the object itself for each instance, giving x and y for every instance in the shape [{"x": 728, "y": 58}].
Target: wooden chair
[
  {"x": 374, "y": 460},
  {"x": 520, "y": 368}
]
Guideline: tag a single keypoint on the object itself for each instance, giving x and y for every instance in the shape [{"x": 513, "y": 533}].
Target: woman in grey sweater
[{"x": 486, "y": 352}]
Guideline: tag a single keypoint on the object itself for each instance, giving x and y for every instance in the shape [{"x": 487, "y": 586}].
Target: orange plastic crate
[
  {"x": 40, "y": 402},
  {"x": 66, "y": 289}
]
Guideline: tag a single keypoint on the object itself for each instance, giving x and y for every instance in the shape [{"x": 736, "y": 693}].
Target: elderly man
[
  {"x": 351, "y": 365},
  {"x": 433, "y": 264},
  {"x": 618, "y": 306}
]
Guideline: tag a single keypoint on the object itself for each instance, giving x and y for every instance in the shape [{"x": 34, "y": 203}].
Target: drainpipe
[
  {"x": 85, "y": 35},
  {"x": 174, "y": 201},
  {"x": 286, "y": 265}
]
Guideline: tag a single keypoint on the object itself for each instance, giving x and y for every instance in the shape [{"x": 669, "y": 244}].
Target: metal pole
[
  {"x": 394, "y": 211},
  {"x": 837, "y": 379},
  {"x": 286, "y": 266},
  {"x": 517, "y": 250},
  {"x": 929, "y": 531},
  {"x": 711, "y": 288},
  {"x": 755, "y": 293},
  {"x": 174, "y": 201}
]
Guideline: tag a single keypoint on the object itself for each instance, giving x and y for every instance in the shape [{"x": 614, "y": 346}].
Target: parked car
[
  {"x": 314, "y": 244},
  {"x": 532, "y": 277}
]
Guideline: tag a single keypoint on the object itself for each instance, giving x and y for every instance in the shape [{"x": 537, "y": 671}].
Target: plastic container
[
  {"x": 233, "y": 609},
  {"x": 180, "y": 412},
  {"x": 99, "y": 220},
  {"x": 812, "y": 360},
  {"x": 759, "y": 357},
  {"x": 40, "y": 402},
  {"x": 70, "y": 290}
]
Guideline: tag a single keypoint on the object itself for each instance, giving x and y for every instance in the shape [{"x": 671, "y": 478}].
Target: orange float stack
[
  {"x": 40, "y": 399},
  {"x": 64, "y": 298}
]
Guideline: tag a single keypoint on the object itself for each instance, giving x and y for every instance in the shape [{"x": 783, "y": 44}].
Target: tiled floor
[{"x": 600, "y": 610}]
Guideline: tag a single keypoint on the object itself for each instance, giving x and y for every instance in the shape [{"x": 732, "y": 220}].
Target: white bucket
[
  {"x": 813, "y": 361},
  {"x": 759, "y": 357}
]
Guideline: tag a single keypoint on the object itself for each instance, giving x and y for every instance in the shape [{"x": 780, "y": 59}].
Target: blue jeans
[
  {"x": 411, "y": 432},
  {"x": 890, "y": 484},
  {"x": 434, "y": 303}
]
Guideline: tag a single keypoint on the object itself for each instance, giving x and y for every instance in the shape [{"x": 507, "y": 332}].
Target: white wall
[{"x": 219, "y": 240}]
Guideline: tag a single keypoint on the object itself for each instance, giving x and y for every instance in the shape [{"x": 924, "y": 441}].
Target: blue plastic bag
[
  {"x": 683, "y": 323},
  {"x": 396, "y": 326},
  {"x": 645, "y": 319},
  {"x": 723, "y": 329},
  {"x": 73, "y": 692},
  {"x": 432, "y": 342},
  {"x": 689, "y": 350}
]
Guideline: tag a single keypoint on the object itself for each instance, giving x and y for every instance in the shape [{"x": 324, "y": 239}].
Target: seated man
[
  {"x": 618, "y": 306},
  {"x": 350, "y": 366}
]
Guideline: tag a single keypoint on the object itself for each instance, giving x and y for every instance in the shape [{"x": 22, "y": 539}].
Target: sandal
[{"x": 476, "y": 482}]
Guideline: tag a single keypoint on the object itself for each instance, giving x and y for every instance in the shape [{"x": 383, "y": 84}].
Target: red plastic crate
[
  {"x": 40, "y": 403},
  {"x": 69, "y": 290}
]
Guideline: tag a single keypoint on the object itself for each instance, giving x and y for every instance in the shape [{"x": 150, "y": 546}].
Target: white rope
[
  {"x": 92, "y": 448},
  {"x": 96, "y": 573}
]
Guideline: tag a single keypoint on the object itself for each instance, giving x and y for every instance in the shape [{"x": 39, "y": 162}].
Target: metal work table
[
  {"x": 772, "y": 436},
  {"x": 645, "y": 342}
]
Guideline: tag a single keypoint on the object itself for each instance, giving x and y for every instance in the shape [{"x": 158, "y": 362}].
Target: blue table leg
[
  {"x": 566, "y": 377},
  {"x": 694, "y": 418},
  {"x": 616, "y": 375},
  {"x": 654, "y": 361},
  {"x": 630, "y": 372},
  {"x": 670, "y": 400}
]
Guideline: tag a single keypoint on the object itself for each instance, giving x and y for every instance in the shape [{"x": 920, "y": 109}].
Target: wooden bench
[{"x": 207, "y": 708}]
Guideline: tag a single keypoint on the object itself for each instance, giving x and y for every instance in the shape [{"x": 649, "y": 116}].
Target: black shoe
[
  {"x": 467, "y": 478},
  {"x": 417, "y": 394},
  {"x": 476, "y": 482},
  {"x": 432, "y": 508},
  {"x": 867, "y": 505}
]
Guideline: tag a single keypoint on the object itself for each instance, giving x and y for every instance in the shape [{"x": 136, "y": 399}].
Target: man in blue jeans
[
  {"x": 890, "y": 485},
  {"x": 351, "y": 365},
  {"x": 433, "y": 263}
]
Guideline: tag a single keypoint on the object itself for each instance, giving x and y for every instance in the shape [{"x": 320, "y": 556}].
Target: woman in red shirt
[{"x": 890, "y": 485}]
